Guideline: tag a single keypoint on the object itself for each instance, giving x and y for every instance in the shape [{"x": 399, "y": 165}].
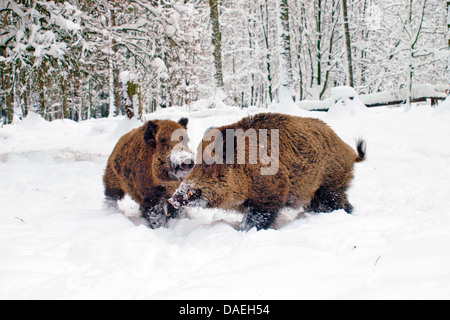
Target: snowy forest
[
  {"x": 76, "y": 76},
  {"x": 83, "y": 59}
]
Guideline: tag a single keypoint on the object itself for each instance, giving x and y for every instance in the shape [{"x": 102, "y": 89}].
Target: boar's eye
[{"x": 163, "y": 141}]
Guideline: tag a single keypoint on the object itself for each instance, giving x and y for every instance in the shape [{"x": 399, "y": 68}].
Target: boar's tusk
[{"x": 174, "y": 203}]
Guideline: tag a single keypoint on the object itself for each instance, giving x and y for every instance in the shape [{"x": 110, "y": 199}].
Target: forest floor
[{"x": 57, "y": 241}]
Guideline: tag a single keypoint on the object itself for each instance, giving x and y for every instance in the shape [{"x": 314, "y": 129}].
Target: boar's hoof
[
  {"x": 326, "y": 200},
  {"x": 259, "y": 219},
  {"x": 155, "y": 217}
]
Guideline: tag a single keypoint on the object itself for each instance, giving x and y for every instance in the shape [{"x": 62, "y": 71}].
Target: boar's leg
[
  {"x": 112, "y": 196},
  {"x": 328, "y": 199},
  {"x": 155, "y": 216},
  {"x": 113, "y": 191},
  {"x": 261, "y": 219},
  {"x": 154, "y": 207}
]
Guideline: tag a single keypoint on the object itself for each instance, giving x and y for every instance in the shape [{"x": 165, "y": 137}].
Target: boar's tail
[{"x": 361, "y": 147}]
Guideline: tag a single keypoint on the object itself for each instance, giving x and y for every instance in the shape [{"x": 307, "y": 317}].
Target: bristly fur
[
  {"x": 315, "y": 171},
  {"x": 140, "y": 166},
  {"x": 150, "y": 132}
]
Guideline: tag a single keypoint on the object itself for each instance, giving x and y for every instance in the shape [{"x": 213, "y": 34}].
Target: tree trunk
[
  {"x": 364, "y": 38},
  {"x": 334, "y": 21},
  {"x": 300, "y": 55},
  {"x": 348, "y": 43},
  {"x": 41, "y": 83},
  {"x": 114, "y": 73},
  {"x": 65, "y": 108},
  {"x": 9, "y": 98},
  {"x": 448, "y": 38},
  {"x": 410, "y": 69},
  {"x": 26, "y": 100},
  {"x": 9, "y": 107},
  {"x": 132, "y": 93},
  {"x": 140, "y": 110},
  {"x": 112, "y": 108},
  {"x": 319, "y": 42},
  {"x": 116, "y": 83},
  {"x": 286, "y": 75},
  {"x": 448, "y": 22},
  {"x": 251, "y": 46},
  {"x": 91, "y": 113},
  {"x": 265, "y": 27},
  {"x": 217, "y": 42}
]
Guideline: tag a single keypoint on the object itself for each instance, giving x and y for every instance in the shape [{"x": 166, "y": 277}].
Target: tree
[
  {"x": 413, "y": 22},
  {"x": 266, "y": 26},
  {"x": 285, "y": 67},
  {"x": 83, "y": 58},
  {"x": 34, "y": 40},
  {"x": 389, "y": 43},
  {"x": 448, "y": 39},
  {"x": 217, "y": 43},
  {"x": 320, "y": 58},
  {"x": 348, "y": 44}
]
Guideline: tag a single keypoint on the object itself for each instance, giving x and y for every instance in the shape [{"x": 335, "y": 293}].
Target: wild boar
[
  {"x": 305, "y": 165},
  {"x": 148, "y": 164}
]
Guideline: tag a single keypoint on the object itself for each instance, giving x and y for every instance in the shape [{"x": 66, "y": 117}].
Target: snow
[
  {"x": 159, "y": 64},
  {"x": 161, "y": 68},
  {"x": 57, "y": 241},
  {"x": 315, "y": 105},
  {"x": 126, "y": 76},
  {"x": 373, "y": 99},
  {"x": 444, "y": 107},
  {"x": 66, "y": 24},
  {"x": 418, "y": 92},
  {"x": 347, "y": 102},
  {"x": 446, "y": 103},
  {"x": 343, "y": 92}
]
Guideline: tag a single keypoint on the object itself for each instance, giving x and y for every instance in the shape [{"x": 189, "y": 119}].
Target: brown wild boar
[
  {"x": 148, "y": 164},
  {"x": 305, "y": 165}
]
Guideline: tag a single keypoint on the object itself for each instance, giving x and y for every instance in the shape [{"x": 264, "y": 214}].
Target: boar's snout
[
  {"x": 184, "y": 196},
  {"x": 187, "y": 164},
  {"x": 182, "y": 163}
]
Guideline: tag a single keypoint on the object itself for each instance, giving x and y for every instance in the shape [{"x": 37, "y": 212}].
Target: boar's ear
[
  {"x": 150, "y": 133},
  {"x": 184, "y": 122}
]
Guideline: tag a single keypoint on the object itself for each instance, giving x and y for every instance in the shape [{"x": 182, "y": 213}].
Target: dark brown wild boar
[
  {"x": 148, "y": 164},
  {"x": 267, "y": 162}
]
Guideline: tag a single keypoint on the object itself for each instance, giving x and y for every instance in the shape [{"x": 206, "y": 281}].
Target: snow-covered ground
[{"x": 58, "y": 242}]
